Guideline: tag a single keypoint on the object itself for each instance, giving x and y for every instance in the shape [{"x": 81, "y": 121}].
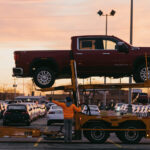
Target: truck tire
[
  {"x": 140, "y": 74},
  {"x": 96, "y": 136},
  {"x": 130, "y": 137},
  {"x": 44, "y": 77}
]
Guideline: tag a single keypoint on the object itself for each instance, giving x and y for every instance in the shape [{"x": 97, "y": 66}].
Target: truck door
[{"x": 96, "y": 55}]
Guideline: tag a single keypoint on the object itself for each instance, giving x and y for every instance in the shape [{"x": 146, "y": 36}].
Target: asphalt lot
[{"x": 112, "y": 143}]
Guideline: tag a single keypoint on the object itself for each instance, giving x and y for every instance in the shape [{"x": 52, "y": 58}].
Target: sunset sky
[{"x": 49, "y": 24}]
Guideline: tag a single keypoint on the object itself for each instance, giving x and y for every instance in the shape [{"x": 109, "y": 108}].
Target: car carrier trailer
[{"x": 128, "y": 128}]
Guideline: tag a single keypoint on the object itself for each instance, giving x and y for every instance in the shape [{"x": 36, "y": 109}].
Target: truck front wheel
[
  {"x": 44, "y": 77},
  {"x": 140, "y": 73}
]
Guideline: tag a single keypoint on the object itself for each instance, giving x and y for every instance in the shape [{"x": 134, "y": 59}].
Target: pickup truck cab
[{"x": 95, "y": 55}]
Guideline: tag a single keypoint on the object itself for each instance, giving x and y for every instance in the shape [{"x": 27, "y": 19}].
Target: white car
[
  {"x": 48, "y": 105},
  {"x": 146, "y": 111},
  {"x": 142, "y": 110},
  {"x": 134, "y": 108},
  {"x": 124, "y": 109},
  {"x": 93, "y": 109},
  {"x": 55, "y": 115},
  {"x": 118, "y": 106}
]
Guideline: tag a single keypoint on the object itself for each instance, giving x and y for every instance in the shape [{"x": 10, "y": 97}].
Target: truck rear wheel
[
  {"x": 140, "y": 74},
  {"x": 130, "y": 137},
  {"x": 96, "y": 136},
  {"x": 44, "y": 77}
]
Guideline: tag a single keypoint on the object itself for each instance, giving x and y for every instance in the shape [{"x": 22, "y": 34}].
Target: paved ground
[{"x": 40, "y": 144}]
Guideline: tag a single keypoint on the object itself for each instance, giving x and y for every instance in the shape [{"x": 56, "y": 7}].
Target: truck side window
[
  {"x": 86, "y": 44},
  {"x": 91, "y": 44},
  {"x": 109, "y": 45},
  {"x": 99, "y": 44}
]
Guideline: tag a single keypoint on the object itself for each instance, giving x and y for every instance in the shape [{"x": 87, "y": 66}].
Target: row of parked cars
[
  {"x": 23, "y": 113},
  {"x": 139, "y": 110},
  {"x": 55, "y": 113}
]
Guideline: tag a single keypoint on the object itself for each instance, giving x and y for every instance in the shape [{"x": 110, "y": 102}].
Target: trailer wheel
[
  {"x": 96, "y": 136},
  {"x": 130, "y": 137},
  {"x": 44, "y": 77}
]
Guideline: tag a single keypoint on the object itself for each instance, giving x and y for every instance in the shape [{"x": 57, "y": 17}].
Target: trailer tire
[
  {"x": 130, "y": 137},
  {"x": 96, "y": 136}
]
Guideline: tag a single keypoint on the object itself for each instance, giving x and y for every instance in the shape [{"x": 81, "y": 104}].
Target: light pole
[
  {"x": 100, "y": 13},
  {"x": 131, "y": 39}
]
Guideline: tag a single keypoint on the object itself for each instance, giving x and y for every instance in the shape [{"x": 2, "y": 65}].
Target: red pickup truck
[{"x": 95, "y": 55}]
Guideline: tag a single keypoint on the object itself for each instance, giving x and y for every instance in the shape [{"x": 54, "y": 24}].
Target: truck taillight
[{"x": 16, "y": 56}]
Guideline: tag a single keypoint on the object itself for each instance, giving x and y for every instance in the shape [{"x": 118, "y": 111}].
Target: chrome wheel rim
[
  {"x": 44, "y": 77},
  {"x": 143, "y": 73}
]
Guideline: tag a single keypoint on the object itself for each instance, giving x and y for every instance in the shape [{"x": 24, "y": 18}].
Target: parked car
[
  {"x": 42, "y": 110},
  {"x": 134, "y": 108},
  {"x": 16, "y": 113},
  {"x": 142, "y": 110},
  {"x": 55, "y": 115},
  {"x": 146, "y": 110},
  {"x": 94, "y": 110},
  {"x": 137, "y": 111},
  {"x": 48, "y": 105},
  {"x": 118, "y": 106},
  {"x": 124, "y": 108}
]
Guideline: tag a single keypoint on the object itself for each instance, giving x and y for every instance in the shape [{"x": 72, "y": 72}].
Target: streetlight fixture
[{"x": 112, "y": 13}]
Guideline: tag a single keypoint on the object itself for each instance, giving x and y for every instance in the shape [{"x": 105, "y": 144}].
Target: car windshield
[
  {"x": 19, "y": 107},
  {"x": 120, "y": 104}
]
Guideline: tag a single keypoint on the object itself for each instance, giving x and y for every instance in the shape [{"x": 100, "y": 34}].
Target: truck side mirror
[{"x": 122, "y": 47}]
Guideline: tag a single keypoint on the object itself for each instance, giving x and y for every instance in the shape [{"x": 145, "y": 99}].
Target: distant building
[
  {"x": 39, "y": 99},
  {"x": 96, "y": 96},
  {"x": 8, "y": 96}
]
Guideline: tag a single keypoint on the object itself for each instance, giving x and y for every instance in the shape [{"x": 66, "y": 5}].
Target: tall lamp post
[
  {"x": 131, "y": 39},
  {"x": 100, "y": 13}
]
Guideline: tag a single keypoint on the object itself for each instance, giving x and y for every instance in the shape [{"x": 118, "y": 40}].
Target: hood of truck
[{"x": 147, "y": 49}]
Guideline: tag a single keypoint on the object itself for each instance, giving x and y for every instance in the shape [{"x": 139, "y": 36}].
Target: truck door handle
[
  {"x": 106, "y": 53},
  {"x": 79, "y": 53}
]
